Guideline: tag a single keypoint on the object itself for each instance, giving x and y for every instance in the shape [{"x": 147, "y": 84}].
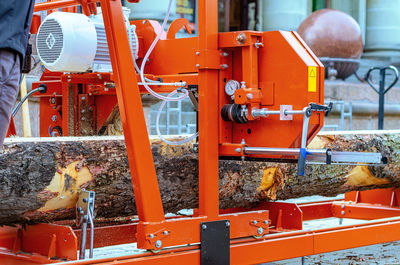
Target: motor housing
[{"x": 71, "y": 42}]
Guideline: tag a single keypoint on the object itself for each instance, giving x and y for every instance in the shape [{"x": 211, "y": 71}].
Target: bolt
[
  {"x": 203, "y": 226},
  {"x": 225, "y": 54},
  {"x": 83, "y": 118},
  {"x": 227, "y": 223},
  {"x": 83, "y": 98},
  {"x": 197, "y": 53},
  {"x": 243, "y": 84},
  {"x": 53, "y": 100},
  {"x": 99, "y": 76},
  {"x": 197, "y": 65},
  {"x": 151, "y": 236},
  {"x": 260, "y": 230},
  {"x": 249, "y": 96},
  {"x": 144, "y": 22},
  {"x": 342, "y": 206},
  {"x": 342, "y": 212},
  {"x": 258, "y": 44},
  {"x": 266, "y": 222},
  {"x": 238, "y": 150},
  {"x": 158, "y": 243},
  {"x": 255, "y": 222},
  {"x": 83, "y": 111},
  {"x": 241, "y": 38},
  {"x": 54, "y": 118},
  {"x": 224, "y": 66},
  {"x": 166, "y": 232}
]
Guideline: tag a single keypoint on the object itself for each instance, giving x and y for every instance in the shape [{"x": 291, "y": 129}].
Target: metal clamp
[
  {"x": 84, "y": 215},
  {"x": 307, "y": 112}
]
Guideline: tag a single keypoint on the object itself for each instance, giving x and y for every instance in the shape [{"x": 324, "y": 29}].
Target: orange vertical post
[
  {"x": 145, "y": 185},
  {"x": 208, "y": 109}
]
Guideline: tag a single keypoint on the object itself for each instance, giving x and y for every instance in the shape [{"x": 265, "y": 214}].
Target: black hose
[{"x": 42, "y": 89}]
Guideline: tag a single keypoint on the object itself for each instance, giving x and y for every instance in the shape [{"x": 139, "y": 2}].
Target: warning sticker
[{"x": 312, "y": 79}]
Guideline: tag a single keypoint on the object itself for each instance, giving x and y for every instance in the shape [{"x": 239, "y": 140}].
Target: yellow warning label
[{"x": 312, "y": 79}]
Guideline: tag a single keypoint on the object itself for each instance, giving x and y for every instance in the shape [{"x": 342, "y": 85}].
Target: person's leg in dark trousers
[{"x": 9, "y": 86}]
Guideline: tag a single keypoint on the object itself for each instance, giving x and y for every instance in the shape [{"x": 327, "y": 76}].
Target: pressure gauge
[{"x": 231, "y": 86}]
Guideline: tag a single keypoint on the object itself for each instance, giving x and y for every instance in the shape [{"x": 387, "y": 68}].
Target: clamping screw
[
  {"x": 158, "y": 243},
  {"x": 260, "y": 230},
  {"x": 203, "y": 226}
]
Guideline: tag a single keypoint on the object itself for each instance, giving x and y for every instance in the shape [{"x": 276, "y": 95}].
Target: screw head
[
  {"x": 227, "y": 223},
  {"x": 255, "y": 222},
  {"x": 151, "y": 236},
  {"x": 158, "y": 243},
  {"x": 342, "y": 206},
  {"x": 165, "y": 232},
  {"x": 260, "y": 230},
  {"x": 249, "y": 96},
  {"x": 225, "y": 54},
  {"x": 197, "y": 65},
  {"x": 266, "y": 222},
  {"x": 53, "y": 100},
  {"x": 203, "y": 226},
  {"x": 83, "y": 98},
  {"x": 197, "y": 53},
  {"x": 54, "y": 118},
  {"x": 342, "y": 212},
  {"x": 224, "y": 66}
]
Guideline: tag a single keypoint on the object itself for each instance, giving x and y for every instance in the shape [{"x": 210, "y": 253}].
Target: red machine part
[{"x": 11, "y": 128}]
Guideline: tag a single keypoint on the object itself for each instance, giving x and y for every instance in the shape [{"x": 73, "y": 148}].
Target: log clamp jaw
[{"x": 84, "y": 216}]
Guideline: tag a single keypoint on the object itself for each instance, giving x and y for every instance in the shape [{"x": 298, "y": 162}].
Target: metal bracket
[
  {"x": 84, "y": 215},
  {"x": 157, "y": 237},
  {"x": 262, "y": 227},
  {"x": 215, "y": 243}
]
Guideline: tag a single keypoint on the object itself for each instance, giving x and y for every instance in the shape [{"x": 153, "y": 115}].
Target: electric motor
[{"x": 71, "y": 42}]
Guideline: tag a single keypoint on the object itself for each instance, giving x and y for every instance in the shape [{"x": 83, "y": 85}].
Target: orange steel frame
[{"x": 283, "y": 236}]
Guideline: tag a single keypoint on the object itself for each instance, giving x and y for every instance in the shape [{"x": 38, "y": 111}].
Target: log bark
[{"x": 40, "y": 178}]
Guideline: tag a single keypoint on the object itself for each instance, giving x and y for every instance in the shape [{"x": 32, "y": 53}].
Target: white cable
[
  {"x": 186, "y": 93},
  {"x": 186, "y": 140}
]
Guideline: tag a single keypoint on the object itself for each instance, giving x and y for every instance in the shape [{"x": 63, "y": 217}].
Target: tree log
[{"x": 40, "y": 178}]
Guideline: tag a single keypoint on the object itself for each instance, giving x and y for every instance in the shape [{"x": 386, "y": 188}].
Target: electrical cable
[
  {"x": 18, "y": 106},
  {"x": 186, "y": 140}
]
